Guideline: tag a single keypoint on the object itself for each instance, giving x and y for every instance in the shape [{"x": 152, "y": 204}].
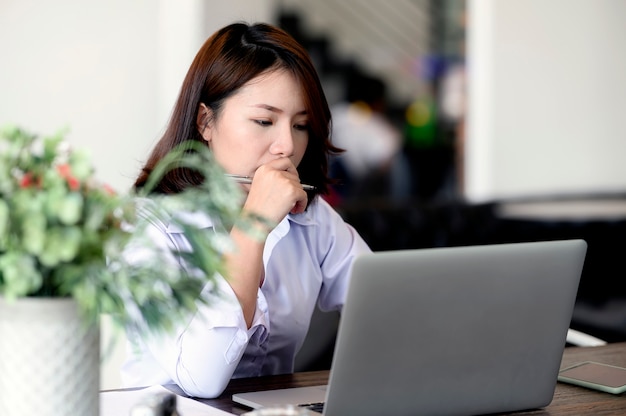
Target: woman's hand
[{"x": 276, "y": 191}]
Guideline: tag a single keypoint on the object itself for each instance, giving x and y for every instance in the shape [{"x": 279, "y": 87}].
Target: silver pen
[{"x": 248, "y": 180}]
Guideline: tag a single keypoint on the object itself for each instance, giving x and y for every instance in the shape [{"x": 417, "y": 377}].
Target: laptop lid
[{"x": 451, "y": 331}]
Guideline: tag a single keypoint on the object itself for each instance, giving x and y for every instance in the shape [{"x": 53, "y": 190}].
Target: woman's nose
[{"x": 283, "y": 143}]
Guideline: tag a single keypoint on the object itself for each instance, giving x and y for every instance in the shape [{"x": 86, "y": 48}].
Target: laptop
[{"x": 448, "y": 331}]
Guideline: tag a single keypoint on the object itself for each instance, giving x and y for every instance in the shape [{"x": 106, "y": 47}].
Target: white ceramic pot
[{"x": 49, "y": 361}]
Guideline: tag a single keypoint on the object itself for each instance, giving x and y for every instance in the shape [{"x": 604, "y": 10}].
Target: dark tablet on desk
[{"x": 597, "y": 376}]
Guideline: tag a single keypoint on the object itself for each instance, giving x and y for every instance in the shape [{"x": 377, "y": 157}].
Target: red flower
[
  {"x": 27, "y": 180},
  {"x": 66, "y": 173},
  {"x": 64, "y": 170},
  {"x": 108, "y": 189},
  {"x": 30, "y": 180},
  {"x": 73, "y": 183}
]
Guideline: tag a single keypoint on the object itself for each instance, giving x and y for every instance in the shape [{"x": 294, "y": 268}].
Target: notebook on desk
[{"x": 448, "y": 331}]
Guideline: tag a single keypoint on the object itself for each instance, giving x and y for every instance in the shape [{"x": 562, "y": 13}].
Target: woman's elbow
[
  {"x": 206, "y": 390},
  {"x": 204, "y": 370},
  {"x": 207, "y": 381}
]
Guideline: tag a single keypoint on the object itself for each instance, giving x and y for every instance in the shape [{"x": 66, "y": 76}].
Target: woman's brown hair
[{"x": 229, "y": 59}]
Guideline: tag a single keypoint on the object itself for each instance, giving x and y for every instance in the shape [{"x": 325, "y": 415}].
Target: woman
[{"x": 252, "y": 95}]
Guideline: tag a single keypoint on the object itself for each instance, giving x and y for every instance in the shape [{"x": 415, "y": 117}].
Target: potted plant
[{"x": 63, "y": 265}]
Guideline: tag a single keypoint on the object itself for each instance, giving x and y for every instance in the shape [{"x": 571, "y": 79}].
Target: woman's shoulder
[{"x": 164, "y": 219}]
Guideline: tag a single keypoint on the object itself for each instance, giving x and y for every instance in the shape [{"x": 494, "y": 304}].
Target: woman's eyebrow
[{"x": 276, "y": 109}]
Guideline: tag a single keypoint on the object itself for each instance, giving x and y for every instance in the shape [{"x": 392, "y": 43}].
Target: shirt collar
[{"x": 197, "y": 219}]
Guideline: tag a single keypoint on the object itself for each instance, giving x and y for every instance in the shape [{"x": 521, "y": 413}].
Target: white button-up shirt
[{"x": 308, "y": 259}]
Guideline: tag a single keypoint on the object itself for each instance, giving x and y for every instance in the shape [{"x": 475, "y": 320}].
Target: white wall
[
  {"x": 85, "y": 65},
  {"x": 547, "y": 92},
  {"x": 110, "y": 71}
]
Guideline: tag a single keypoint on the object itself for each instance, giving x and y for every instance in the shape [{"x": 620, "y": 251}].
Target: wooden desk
[{"x": 568, "y": 400}]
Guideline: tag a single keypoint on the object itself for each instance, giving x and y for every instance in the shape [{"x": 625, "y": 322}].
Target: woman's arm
[{"x": 245, "y": 268}]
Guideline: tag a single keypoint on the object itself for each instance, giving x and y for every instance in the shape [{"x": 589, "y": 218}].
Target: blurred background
[{"x": 466, "y": 122}]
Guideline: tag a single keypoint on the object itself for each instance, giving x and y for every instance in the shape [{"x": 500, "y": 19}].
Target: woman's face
[{"x": 265, "y": 120}]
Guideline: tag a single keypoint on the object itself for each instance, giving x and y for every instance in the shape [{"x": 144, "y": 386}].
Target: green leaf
[
  {"x": 4, "y": 224},
  {"x": 81, "y": 165},
  {"x": 20, "y": 274},
  {"x": 70, "y": 208},
  {"x": 34, "y": 232}
]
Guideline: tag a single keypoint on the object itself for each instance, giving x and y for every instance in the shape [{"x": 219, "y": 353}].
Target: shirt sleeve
[
  {"x": 339, "y": 246},
  {"x": 202, "y": 356}
]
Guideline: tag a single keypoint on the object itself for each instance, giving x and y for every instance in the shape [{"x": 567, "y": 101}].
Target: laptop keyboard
[{"x": 316, "y": 407}]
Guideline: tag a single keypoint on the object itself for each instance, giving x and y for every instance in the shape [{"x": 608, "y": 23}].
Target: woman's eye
[
  {"x": 263, "y": 123},
  {"x": 301, "y": 127}
]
